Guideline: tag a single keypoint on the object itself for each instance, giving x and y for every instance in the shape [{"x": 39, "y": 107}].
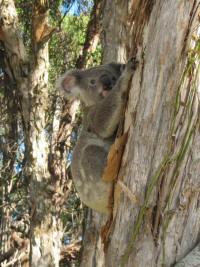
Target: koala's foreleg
[{"x": 104, "y": 117}]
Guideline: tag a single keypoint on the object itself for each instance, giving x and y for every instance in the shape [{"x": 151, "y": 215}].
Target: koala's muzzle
[{"x": 106, "y": 82}]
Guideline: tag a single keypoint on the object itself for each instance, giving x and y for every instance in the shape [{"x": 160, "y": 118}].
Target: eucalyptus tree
[{"x": 155, "y": 219}]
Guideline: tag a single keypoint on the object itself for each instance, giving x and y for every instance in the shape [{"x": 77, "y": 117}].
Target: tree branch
[{"x": 93, "y": 32}]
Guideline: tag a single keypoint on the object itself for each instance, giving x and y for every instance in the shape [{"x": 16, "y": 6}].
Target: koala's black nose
[{"x": 105, "y": 80}]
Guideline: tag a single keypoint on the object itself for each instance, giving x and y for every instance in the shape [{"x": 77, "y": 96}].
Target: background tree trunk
[
  {"x": 46, "y": 228},
  {"x": 9, "y": 148},
  {"x": 161, "y": 162},
  {"x": 31, "y": 80}
]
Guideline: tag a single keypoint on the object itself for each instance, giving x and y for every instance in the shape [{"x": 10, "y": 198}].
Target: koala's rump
[{"x": 88, "y": 162}]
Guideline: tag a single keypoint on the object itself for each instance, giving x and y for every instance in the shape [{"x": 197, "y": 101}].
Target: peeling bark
[{"x": 161, "y": 162}]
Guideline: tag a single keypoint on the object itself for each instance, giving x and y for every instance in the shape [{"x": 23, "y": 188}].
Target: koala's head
[{"x": 91, "y": 85}]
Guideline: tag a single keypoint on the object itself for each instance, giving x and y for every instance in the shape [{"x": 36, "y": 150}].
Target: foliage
[{"x": 68, "y": 42}]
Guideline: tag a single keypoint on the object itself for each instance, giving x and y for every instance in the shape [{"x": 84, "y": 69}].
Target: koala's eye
[{"x": 93, "y": 82}]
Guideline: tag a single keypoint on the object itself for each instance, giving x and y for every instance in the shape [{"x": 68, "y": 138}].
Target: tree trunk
[
  {"x": 46, "y": 229},
  {"x": 158, "y": 213},
  {"x": 31, "y": 80},
  {"x": 8, "y": 147}
]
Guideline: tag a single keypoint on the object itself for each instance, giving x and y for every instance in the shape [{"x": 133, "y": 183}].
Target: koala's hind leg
[
  {"x": 94, "y": 160},
  {"x": 93, "y": 191}
]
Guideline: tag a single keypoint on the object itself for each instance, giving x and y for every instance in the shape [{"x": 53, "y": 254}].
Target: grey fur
[{"x": 100, "y": 90}]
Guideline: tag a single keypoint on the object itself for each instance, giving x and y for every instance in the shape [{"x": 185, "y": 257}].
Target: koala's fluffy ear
[{"x": 117, "y": 67}]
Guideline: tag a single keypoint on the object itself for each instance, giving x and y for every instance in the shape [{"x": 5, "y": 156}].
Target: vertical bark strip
[
  {"x": 44, "y": 225},
  {"x": 114, "y": 33}
]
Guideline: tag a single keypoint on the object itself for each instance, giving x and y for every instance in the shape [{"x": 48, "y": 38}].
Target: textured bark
[
  {"x": 192, "y": 259},
  {"x": 161, "y": 162},
  {"x": 92, "y": 253},
  {"x": 114, "y": 32},
  {"x": 46, "y": 229},
  {"x": 9, "y": 151},
  {"x": 31, "y": 80}
]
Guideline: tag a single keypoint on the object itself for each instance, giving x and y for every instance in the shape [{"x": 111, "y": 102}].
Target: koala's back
[{"x": 88, "y": 162}]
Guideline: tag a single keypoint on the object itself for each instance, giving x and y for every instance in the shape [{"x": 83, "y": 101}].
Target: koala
[{"x": 100, "y": 90}]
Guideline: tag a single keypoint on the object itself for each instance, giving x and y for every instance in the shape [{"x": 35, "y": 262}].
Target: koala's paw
[{"x": 132, "y": 64}]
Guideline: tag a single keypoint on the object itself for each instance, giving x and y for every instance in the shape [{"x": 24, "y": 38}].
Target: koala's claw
[{"x": 132, "y": 64}]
